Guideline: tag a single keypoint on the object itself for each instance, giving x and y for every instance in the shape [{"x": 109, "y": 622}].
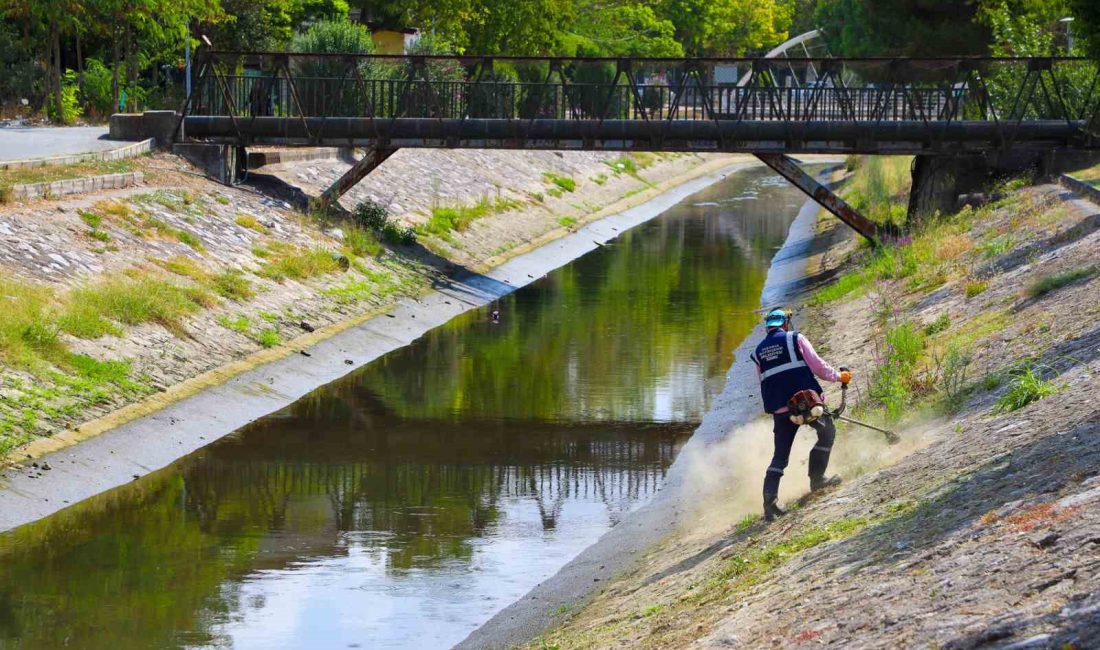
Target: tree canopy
[{"x": 65, "y": 56}]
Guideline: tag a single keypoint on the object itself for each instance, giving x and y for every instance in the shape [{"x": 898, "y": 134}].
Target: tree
[
  {"x": 270, "y": 24},
  {"x": 621, "y": 29},
  {"x": 902, "y": 27},
  {"x": 1086, "y": 24},
  {"x": 727, "y": 27}
]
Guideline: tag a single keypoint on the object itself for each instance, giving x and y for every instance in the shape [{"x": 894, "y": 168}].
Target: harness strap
[{"x": 793, "y": 364}]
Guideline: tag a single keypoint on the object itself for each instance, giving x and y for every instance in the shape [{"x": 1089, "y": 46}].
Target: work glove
[{"x": 845, "y": 376}]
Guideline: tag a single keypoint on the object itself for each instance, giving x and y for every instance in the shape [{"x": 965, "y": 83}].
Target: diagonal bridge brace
[
  {"x": 368, "y": 163},
  {"x": 789, "y": 169}
]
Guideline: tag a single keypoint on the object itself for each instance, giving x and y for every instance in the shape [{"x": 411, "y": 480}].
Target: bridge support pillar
[
  {"x": 368, "y": 163},
  {"x": 937, "y": 182},
  {"x": 789, "y": 169}
]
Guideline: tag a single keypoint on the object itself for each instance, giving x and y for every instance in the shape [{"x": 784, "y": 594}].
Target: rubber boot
[
  {"x": 820, "y": 482},
  {"x": 771, "y": 508}
]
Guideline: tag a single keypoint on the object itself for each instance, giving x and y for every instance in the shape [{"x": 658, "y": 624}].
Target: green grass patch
[
  {"x": 567, "y": 221},
  {"x": 191, "y": 239},
  {"x": 975, "y": 288},
  {"x": 879, "y": 187},
  {"x": 850, "y": 285},
  {"x": 93, "y": 310},
  {"x": 752, "y": 567},
  {"x": 1048, "y": 283},
  {"x": 623, "y": 165},
  {"x": 232, "y": 284},
  {"x": 298, "y": 263},
  {"x": 269, "y": 338},
  {"x": 51, "y": 173},
  {"x": 92, "y": 219},
  {"x": 997, "y": 246},
  {"x": 941, "y": 324},
  {"x": 238, "y": 324},
  {"x": 362, "y": 242},
  {"x": 251, "y": 222},
  {"x": 1025, "y": 386},
  {"x": 563, "y": 183}
]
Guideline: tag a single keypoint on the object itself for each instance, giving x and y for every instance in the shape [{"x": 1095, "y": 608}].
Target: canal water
[{"x": 405, "y": 504}]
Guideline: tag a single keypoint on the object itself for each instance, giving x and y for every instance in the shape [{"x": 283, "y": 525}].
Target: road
[{"x": 21, "y": 143}]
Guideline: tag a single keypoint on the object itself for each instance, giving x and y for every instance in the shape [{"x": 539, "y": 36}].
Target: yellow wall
[{"x": 387, "y": 42}]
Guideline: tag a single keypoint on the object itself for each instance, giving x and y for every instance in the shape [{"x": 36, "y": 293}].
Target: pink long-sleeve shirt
[{"x": 817, "y": 365}]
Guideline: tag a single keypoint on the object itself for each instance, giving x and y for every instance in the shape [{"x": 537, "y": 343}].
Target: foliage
[
  {"x": 901, "y": 27},
  {"x": 371, "y": 214},
  {"x": 1027, "y": 386},
  {"x": 67, "y": 109},
  {"x": 1086, "y": 25},
  {"x": 727, "y": 28}
]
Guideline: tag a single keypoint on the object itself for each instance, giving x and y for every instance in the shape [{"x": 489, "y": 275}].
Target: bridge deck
[{"x": 750, "y": 105}]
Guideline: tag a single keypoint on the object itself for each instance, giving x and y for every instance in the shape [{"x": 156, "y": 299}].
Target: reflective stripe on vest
[{"x": 795, "y": 362}]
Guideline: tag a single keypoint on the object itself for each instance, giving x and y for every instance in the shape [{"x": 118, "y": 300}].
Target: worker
[{"x": 786, "y": 364}]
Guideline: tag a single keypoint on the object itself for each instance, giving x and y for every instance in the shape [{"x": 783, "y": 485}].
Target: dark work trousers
[{"x": 785, "y": 431}]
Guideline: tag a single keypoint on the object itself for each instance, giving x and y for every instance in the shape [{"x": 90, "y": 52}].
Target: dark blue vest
[{"x": 783, "y": 372}]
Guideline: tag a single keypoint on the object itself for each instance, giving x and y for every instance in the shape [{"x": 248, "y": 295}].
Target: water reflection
[{"x": 405, "y": 504}]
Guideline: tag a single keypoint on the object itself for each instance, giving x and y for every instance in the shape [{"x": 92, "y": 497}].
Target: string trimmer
[
  {"x": 806, "y": 406},
  {"x": 891, "y": 437}
]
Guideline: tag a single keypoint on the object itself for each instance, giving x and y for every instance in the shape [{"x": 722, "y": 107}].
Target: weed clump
[
  {"x": 1048, "y": 283},
  {"x": 299, "y": 264},
  {"x": 1026, "y": 386},
  {"x": 563, "y": 183}
]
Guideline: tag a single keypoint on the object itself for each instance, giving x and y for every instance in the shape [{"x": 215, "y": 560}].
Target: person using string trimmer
[{"x": 789, "y": 369}]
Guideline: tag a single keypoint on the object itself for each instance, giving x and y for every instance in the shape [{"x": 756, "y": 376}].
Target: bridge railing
[{"x": 857, "y": 90}]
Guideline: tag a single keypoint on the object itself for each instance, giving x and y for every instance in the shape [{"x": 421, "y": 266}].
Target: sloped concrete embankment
[
  {"x": 982, "y": 529},
  {"x": 230, "y": 397}
]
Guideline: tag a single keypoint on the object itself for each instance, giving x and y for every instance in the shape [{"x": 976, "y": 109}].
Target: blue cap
[{"x": 775, "y": 318}]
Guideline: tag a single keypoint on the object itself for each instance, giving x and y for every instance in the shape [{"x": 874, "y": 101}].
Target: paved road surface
[{"x": 20, "y": 143}]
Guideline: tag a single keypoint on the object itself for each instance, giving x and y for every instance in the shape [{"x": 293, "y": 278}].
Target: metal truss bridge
[{"x": 765, "y": 106}]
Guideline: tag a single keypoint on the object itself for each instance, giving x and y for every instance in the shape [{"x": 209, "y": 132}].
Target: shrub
[
  {"x": 399, "y": 235},
  {"x": 906, "y": 344},
  {"x": 371, "y": 214},
  {"x": 950, "y": 377},
  {"x": 68, "y": 109},
  {"x": 1048, "y": 283},
  {"x": 1027, "y": 386}
]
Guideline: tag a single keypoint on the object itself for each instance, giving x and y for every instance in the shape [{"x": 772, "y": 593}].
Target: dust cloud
[{"x": 725, "y": 479}]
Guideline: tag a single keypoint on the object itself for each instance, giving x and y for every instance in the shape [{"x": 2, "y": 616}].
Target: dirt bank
[
  {"x": 981, "y": 529},
  {"x": 118, "y": 304},
  {"x": 220, "y": 402}
]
